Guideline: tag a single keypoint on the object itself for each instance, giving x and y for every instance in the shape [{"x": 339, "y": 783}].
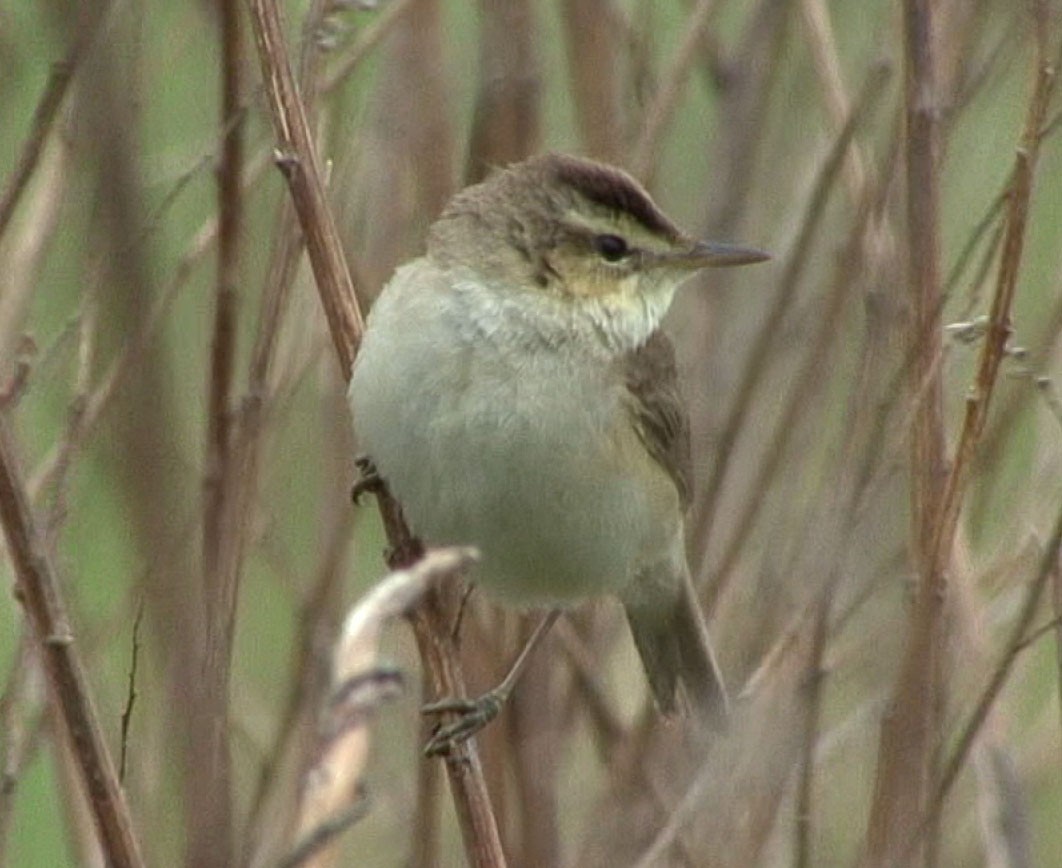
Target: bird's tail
[{"x": 673, "y": 642}]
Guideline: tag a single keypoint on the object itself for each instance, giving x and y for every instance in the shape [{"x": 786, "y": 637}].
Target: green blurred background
[{"x": 108, "y": 226}]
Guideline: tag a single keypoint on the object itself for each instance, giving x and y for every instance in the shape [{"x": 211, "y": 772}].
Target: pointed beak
[{"x": 710, "y": 254}]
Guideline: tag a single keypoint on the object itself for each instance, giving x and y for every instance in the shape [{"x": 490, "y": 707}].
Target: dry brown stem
[
  {"x": 297, "y": 158},
  {"x": 230, "y": 229},
  {"x": 908, "y": 736},
  {"x": 39, "y": 592},
  {"x": 212, "y": 839},
  {"x": 903, "y": 805}
]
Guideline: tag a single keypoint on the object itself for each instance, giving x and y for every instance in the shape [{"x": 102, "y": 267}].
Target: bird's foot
[
  {"x": 369, "y": 480},
  {"x": 471, "y": 716}
]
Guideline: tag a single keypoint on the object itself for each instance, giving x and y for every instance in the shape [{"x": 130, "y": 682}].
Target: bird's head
[{"x": 579, "y": 233}]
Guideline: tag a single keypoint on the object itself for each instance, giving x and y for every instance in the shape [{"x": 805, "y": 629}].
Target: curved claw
[
  {"x": 472, "y": 716},
  {"x": 368, "y": 481}
]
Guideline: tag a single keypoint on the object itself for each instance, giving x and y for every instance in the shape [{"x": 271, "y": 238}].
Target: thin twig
[
  {"x": 39, "y": 592},
  {"x": 1015, "y": 644},
  {"x": 44, "y": 115},
  {"x": 785, "y": 296},
  {"x": 824, "y": 53},
  {"x": 223, "y": 342},
  {"x": 646, "y": 153},
  {"x": 297, "y": 159},
  {"x": 805, "y": 782},
  {"x": 820, "y": 347},
  {"x": 220, "y": 585},
  {"x": 130, "y": 694},
  {"x": 507, "y": 120}
]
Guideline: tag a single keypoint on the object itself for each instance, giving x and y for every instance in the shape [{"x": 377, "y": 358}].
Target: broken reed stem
[
  {"x": 37, "y": 588},
  {"x": 332, "y": 792},
  {"x": 298, "y": 162}
]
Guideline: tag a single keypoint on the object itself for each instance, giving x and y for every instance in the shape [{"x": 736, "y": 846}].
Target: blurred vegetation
[{"x": 729, "y": 111}]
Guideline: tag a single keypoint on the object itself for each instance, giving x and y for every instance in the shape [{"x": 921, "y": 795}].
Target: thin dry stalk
[
  {"x": 27, "y": 248},
  {"x": 38, "y": 590},
  {"x": 907, "y": 743},
  {"x": 823, "y": 48},
  {"x": 220, "y": 585},
  {"x": 999, "y": 324},
  {"x": 479, "y": 829},
  {"x": 336, "y": 290},
  {"x": 646, "y": 153},
  {"x": 785, "y": 296},
  {"x": 1016, "y": 643},
  {"x": 44, "y": 116},
  {"x": 820, "y": 347},
  {"x": 424, "y": 846},
  {"x": 1056, "y": 604},
  {"x": 536, "y": 737},
  {"x": 21, "y": 723},
  {"x": 72, "y": 434},
  {"x": 297, "y": 159},
  {"x": 230, "y": 229},
  {"x": 743, "y": 75},
  {"x": 805, "y": 798}
]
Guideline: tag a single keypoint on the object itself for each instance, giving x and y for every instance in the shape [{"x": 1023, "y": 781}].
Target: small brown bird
[{"x": 516, "y": 393}]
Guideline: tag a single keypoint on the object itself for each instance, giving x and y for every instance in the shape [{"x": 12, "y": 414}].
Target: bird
[{"x": 515, "y": 391}]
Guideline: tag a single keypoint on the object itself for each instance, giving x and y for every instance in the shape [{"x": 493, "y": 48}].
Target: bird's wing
[{"x": 657, "y": 410}]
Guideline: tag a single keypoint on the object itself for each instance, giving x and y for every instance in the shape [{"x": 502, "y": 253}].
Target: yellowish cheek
[{"x": 599, "y": 282}]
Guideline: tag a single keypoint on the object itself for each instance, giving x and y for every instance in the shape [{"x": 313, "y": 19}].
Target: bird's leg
[
  {"x": 474, "y": 714},
  {"x": 368, "y": 481}
]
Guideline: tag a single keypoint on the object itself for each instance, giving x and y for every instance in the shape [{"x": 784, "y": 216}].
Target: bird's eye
[{"x": 611, "y": 247}]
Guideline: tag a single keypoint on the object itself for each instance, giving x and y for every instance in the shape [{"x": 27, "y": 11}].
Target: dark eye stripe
[{"x": 611, "y": 247}]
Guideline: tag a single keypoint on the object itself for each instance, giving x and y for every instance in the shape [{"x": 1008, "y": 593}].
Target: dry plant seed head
[{"x": 514, "y": 390}]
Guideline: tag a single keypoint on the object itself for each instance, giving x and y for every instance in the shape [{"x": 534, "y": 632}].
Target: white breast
[{"x": 492, "y": 430}]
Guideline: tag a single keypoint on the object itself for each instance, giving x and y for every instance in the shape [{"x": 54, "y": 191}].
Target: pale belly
[{"x": 533, "y": 462}]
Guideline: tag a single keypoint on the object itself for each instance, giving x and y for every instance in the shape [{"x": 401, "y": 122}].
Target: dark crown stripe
[{"x": 611, "y": 189}]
